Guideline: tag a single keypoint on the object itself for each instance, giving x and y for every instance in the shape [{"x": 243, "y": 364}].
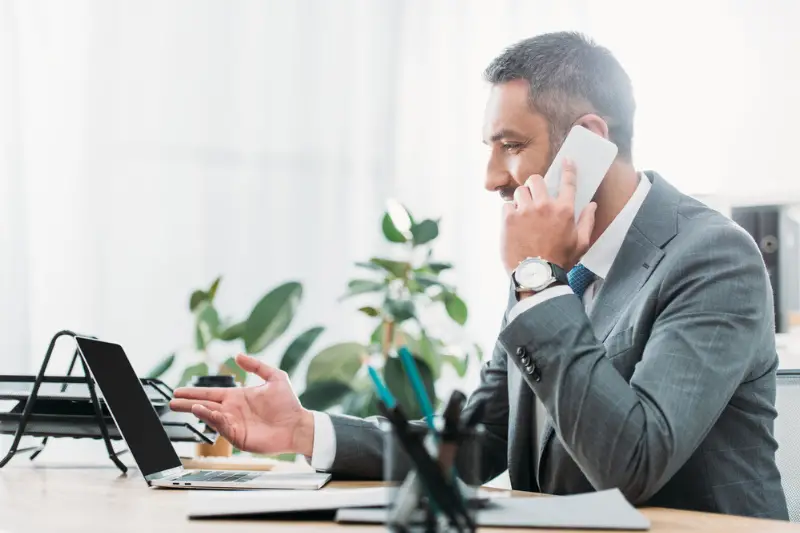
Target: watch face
[{"x": 533, "y": 274}]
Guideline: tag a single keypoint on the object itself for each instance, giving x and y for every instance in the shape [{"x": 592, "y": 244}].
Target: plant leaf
[
  {"x": 360, "y": 403},
  {"x": 399, "y": 385},
  {"x": 361, "y": 286},
  {"x": 231, "y": 368},
  {"x": 213, "y": 290},
  {"x": 456, "y": 307},
  {"x": 400, "y": 215},
  {"x": 208, "y": 318},
  {"x": 200, "y": 369},
  {"x": 233, "y": 332},
  {"x": 390, "y": 231},
  {"x": 429, "y": 353},
  {"x": 459, "y": 365},
  {"x": 199, "y": 340},
  {"x": 271, "y": 316},
  {"x": 299, "y": 348},
  {"x": 339, "y": 362},
  {"x": 377, "y": 335},
  {"x": 370, "y": 311},
  {"x": 369, "y": 266},
  {"x": 397, "y": 268},
  {"x": 438, "y": 267},
  {"x": 206, "y": 325},
  {"x": 196, "y": 299},
  {"x": 425, "y": 281},
  {"x": 425, "y": 231},
  {"x": 321, "y": 395},
  {"x": 162, "y": 366},
  {"x": 478, "y": 352},
  {"x": 401, "y": 310},
  {"x": 414, "y": 287}
]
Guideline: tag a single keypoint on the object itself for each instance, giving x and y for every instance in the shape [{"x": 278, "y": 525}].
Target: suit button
[
  {"x": 533, "y": 371},
  {"x": 521, "y": 351},
  {"x": 525, "y": 360}
]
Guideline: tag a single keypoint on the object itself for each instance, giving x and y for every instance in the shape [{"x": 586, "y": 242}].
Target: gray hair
[{"x": 570, "y": 75}]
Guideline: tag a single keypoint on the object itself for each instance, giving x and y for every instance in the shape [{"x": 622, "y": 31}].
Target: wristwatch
[{"x": 534, "y": 274}]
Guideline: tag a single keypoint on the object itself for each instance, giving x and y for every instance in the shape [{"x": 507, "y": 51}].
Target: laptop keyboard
[{"x": 217, "y": 476}]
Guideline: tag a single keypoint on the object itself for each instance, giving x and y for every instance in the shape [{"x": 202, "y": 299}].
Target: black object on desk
[
  {"x": 68, "y": 406},
  {"x": 431, "y": 485}
]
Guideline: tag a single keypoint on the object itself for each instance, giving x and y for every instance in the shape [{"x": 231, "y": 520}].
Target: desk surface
[{"x": 69, "y": 498}]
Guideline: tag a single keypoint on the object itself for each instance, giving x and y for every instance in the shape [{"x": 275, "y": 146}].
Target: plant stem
[
  {"x": 207, "y": 358},
  {"x": 388, "y": 338}
]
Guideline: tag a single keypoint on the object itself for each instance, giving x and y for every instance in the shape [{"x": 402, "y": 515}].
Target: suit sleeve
[
  {"x": 714, "y": 304},
  {"x": 359, "y": 442}
]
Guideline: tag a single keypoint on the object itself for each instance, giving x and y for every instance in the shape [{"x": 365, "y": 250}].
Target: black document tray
[{"x": 63, "y": 408}]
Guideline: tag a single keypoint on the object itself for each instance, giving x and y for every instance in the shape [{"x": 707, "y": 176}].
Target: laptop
[{"x": 147, "y": 440}]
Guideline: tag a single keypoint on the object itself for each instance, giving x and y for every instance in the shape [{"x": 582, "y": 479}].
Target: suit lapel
[
  {"x": 636, "y": 261},
  {"x": 654, "y": 226}
]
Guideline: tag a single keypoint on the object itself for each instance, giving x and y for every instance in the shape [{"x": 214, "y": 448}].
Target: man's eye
[{"x": 512, "y": 148}]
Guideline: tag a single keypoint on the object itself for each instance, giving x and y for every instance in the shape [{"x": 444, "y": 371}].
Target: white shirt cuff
[
  {"x": 324, "y": 449},
  {"x": 523, "y": 305}
]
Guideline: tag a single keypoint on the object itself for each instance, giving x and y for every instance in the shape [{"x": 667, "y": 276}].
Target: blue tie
[{"x": 580, "y": 278}]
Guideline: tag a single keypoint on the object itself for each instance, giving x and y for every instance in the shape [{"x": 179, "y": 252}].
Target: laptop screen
[{"x": 130, "y": 407}]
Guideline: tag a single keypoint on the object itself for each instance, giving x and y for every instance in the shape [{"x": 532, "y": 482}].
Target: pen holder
[{"x": 411, "y": 509}]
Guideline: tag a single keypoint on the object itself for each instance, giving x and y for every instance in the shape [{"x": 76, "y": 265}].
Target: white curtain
[{"x": 148, "y": 146}]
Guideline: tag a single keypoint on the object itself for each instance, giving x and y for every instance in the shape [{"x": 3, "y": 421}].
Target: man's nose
[{"x": 497, "y": 177}]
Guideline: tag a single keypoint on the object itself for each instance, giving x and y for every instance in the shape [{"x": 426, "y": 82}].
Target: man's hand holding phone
[{"x": 538, "y": 225}]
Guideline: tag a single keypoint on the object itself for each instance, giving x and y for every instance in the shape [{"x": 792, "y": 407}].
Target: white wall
[
  {"x": 153, "y": 145},
  {"x": 14, "y": 278}
]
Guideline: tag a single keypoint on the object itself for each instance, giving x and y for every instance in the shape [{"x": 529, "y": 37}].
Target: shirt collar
[{"x": 602, "y": 253}]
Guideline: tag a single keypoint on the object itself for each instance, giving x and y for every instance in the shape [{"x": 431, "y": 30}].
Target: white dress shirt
[{"x": 598, "y": 259}]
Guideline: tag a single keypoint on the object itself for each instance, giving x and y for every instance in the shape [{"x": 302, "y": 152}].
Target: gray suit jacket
[{"x": 666, "y": 391}]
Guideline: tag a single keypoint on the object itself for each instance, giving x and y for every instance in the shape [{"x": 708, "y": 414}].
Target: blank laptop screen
[{"x": 127, "y": 400}]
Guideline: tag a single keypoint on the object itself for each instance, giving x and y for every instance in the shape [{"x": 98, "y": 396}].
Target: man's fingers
[
  {"x": 568, "y": 182},
  {"x": 585, "y": 227},
  {"x": 214, "y": 394},
  {"x": 185, "y": 406},
  {"x": 522, "y": 197},
  {"x": 253, "y": 365},
  {"x": 537, "y": 187},
  {"x": 212, "y": 418}
]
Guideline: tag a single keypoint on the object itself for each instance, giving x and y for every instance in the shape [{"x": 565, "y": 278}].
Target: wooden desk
[{"x": 68, "y": 498}]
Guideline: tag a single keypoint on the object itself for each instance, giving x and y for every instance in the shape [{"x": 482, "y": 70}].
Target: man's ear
[{"x": 594, "y": 124}]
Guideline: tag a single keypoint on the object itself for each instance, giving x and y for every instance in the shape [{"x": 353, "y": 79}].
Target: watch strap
[{"x": 560, "y": 274}]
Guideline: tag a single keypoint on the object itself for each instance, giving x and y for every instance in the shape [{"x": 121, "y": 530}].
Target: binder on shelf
[{"x": 69, "y": 406}]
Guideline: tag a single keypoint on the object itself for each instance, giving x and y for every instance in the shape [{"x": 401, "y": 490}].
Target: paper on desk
[
  {"x": 607, "y": 509},
  {"x": 208, "y": 503}
]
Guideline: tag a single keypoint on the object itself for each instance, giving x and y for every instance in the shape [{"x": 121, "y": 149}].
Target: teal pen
[
  {"x": 383, "y": 392},
  {"x": 416, "y": 384}
]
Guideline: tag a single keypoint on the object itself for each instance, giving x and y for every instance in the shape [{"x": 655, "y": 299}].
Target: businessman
[{"x": 638, "y": 347}]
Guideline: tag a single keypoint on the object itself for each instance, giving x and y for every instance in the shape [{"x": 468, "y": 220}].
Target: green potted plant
[
  {"x": 218, "y": 339},
  {"x": 404, "y": 295}
]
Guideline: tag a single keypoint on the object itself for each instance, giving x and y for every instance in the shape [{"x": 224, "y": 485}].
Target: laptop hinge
[{"x": 164, "y": 474}]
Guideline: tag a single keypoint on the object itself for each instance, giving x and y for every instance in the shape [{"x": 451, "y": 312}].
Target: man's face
[{"x": 519, "y": 139}]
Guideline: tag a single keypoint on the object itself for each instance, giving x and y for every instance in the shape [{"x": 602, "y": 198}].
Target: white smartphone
[{"x": 592, "y": 156}]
